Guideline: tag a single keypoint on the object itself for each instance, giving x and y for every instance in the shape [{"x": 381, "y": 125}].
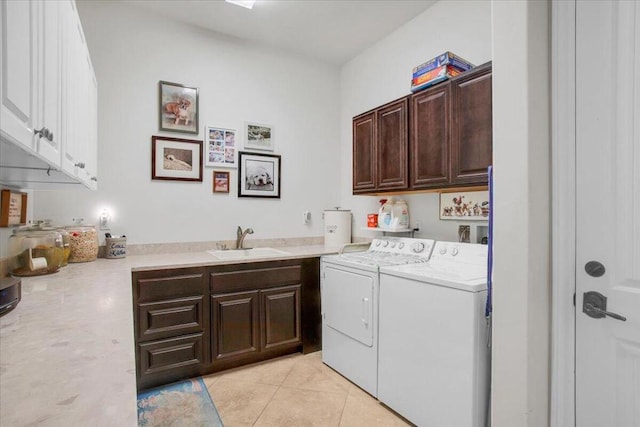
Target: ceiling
[{"x": 332, "y": 31}]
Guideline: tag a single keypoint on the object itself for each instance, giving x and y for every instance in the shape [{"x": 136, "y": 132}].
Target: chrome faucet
[{"x": 241, "y": 235}]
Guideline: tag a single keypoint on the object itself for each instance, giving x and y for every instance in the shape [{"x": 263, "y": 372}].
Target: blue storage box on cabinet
[{"x": 447, "y": 58}]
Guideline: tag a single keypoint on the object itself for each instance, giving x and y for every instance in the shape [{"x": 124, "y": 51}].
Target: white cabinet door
[
  {"x": 73, "y": 67},
  {"x": 92, "y": 132},
  {"x": 18, "y": 62},
  {"x": 50, "y": 81},
  {"x": 87, "y": 124}
]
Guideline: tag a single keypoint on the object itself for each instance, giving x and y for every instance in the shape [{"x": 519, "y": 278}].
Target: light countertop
[{"x": 67, "y": 353}]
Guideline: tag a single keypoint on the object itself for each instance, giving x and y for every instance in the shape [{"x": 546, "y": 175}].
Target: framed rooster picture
[
  {"x": 465, "y": 205},
  {"x": 178, "y": 109}
]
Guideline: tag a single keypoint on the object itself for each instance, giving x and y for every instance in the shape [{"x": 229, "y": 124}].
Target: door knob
[{"x": 594, "y": 304}]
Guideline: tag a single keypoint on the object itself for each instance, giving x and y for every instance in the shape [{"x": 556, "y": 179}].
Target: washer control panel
[
  {"x": 403, "y": 245},
  {"x": 471, "y": 253}
]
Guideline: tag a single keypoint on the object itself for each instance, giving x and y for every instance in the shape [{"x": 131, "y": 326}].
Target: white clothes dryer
[{"x": 349, "y": 288}]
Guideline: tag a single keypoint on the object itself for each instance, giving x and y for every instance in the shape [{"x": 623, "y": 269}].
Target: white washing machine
[
  {"x": 434, "y": 358},
  {"x": 349, "y": 288}
]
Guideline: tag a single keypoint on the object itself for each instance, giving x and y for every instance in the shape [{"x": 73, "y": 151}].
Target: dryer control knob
[
  {"x": 377, "y": 242},
  {"x": 400, "y": 245},
  {"x": 417, "y": 247},
  {"x": 454, "y": 251},
  {"x": 393, "y": 244},
  {"x": 443, "y": 250},
  {"x": 385, "y": 243}
]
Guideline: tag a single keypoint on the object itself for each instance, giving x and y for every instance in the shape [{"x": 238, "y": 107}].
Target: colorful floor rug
[{"x": 186, "y": 403}]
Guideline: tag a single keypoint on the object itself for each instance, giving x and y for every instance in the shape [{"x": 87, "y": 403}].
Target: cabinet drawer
[
  {"x": 255, "y": 278},
  {"x": 170, "y": 287},
  {"x": 170, "y": 318},
  {"x": 174, "y": 353}
]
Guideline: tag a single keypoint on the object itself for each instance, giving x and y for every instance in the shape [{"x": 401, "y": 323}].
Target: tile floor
[{"x": 295, "y": 390}]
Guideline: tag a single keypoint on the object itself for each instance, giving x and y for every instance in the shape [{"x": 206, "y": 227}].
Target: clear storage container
[
  {"x": 83, "y": 242},
  {"x": 37, "y": 250}
]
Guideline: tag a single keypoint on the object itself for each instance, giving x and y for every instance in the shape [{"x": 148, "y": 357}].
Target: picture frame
[
  {"x": 221, "y": 182},
  {"x": 220, "y": 147},
  {"x": 13, "y": 208},
  {"x": 258, "y": 175},
  {"x": 259, "y": 136},
  {"x": 176, "y": 159},
  {"x": 465, "y": 206},
  {"x": 178, "y": 108}
]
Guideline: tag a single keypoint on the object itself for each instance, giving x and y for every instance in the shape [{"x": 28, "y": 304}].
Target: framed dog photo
[
  {"x": 176, "y": 159},
  {"x": 220, "y": 149},
  {"x": 178, "y": 109},
  {"x": 468, "y": 205},
  {"x": 258, "y": 175},
  {"x": 259, "y": 137},
  {"x": 220, "y": 182}
]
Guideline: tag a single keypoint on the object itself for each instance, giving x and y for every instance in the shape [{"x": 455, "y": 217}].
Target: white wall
[
  {"x": 131, "y": 51},
  {"x": 521, "y": 153},
  {"x": 383, "y": 73}
]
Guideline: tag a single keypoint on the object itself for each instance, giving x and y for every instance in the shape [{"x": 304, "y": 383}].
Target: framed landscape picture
[
  {"x": 178, "y": 109},
  {"x": 176, "y": 159},
  {"x": 258, "y": 175},
  {"x": 259, "y": 137}
]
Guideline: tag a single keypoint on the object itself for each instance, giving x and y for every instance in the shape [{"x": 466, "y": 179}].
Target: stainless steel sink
[{"x": 233, "y": 254}]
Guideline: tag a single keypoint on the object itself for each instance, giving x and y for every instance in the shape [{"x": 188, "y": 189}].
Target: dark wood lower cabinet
[
  {"x": 280, "y": 317},
  {"x": 180, "y": 352},
  {"x": 235, "y": 325},
  {"x": 196, "y": 321}
]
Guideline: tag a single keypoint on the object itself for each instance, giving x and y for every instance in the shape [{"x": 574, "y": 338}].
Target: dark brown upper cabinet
[
  {"x": 430, "y": 129},
  {"x": 380, "y": 141},
  {"x": 472, "y": 130},
  {"x": 433, "y": 139},
  {"x": 364, "y": 153}
]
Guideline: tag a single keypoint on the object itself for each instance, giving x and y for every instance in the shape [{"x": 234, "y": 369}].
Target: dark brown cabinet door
[
  {"x": 364, "y": 153},
  {"x": 235, "y": 325},
  {"x": 280, "y": 308},
  {"x": 472, "y": 131},
  {"x": 430, "y": 124},
  {"x": 391, "y": 145}
]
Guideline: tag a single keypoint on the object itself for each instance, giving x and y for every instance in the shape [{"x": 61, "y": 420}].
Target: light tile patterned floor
[{"x": 295, "y": 390}]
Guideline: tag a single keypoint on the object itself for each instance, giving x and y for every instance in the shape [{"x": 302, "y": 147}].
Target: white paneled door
[{"x": 607, "y": 387}]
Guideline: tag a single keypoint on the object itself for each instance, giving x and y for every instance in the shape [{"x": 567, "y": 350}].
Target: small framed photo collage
[{"x": 221, "y": 147}]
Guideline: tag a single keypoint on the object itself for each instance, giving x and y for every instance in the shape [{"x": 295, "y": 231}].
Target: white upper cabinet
[
  {"x": 18, "y": 62},
  {"x": 49, "y": 97},
  {"x": 50, "y": 82}
]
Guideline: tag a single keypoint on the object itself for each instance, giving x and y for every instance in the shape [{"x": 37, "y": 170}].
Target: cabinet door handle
[
  {"x": 94, "y": 178},
  {"x": 80, "y": 165},
  {"x": 44, "y": 133}
]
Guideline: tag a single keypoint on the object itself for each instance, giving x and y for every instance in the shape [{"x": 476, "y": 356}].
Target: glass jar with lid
[
  {"x": 36, "y": 249},
  {"x": 83, "y": 242},
  {"x": 66, "y": 239}
]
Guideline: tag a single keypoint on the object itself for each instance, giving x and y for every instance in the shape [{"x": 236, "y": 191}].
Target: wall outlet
[
  {"x": 464, "y": 233},
  {"x": 306, "y": 217},
  {"x": 417, "y": 226}
]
